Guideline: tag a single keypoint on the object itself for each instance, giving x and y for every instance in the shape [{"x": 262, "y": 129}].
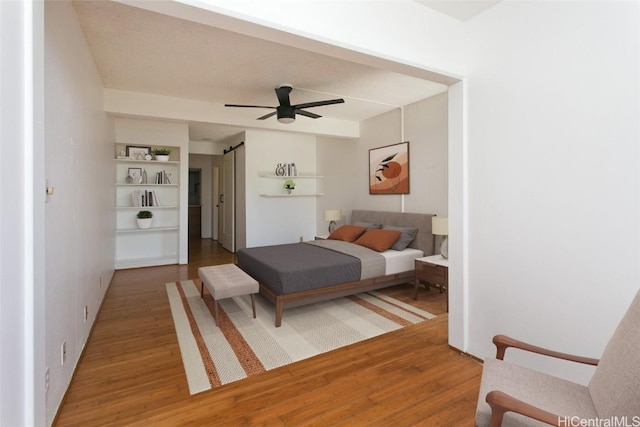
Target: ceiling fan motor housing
[{"x": 286, "y": 114}]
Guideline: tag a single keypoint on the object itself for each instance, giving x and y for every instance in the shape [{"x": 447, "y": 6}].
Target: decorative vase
[
  {"x": 144, "y": 222},
  {"x": 289, "y": 190},
  {"x": 162, "y": 157}
]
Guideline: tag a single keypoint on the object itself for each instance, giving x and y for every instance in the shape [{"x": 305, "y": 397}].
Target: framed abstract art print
[{"x": 389, "y": 169}]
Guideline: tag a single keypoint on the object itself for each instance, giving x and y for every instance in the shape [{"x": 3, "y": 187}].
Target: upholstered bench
[{"x": 227, "y": 281}]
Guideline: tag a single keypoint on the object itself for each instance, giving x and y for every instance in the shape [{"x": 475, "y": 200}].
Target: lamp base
[
  {"x": 444, "y": 248},
  {"x": 332, "y": 226}
]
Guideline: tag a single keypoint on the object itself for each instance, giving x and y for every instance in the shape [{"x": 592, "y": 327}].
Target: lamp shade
[
  {"x": 332, "y": 215},
  {"x": 440, "y": 226}
]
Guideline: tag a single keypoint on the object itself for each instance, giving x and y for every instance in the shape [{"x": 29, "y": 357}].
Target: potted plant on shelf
[
  {"x": 144, "y": 219},
  {"x": 161, "y": 154},
  {"x": 289, "y": 185}
]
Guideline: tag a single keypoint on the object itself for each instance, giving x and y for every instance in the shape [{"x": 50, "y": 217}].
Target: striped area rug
[{"x": 244, "y": 346}]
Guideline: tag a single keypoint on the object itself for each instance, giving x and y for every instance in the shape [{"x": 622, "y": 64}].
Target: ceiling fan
[{"x": 285, "y": 111}]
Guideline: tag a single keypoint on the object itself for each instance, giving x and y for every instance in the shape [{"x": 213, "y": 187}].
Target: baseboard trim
[{"x": 464, "y": 353}]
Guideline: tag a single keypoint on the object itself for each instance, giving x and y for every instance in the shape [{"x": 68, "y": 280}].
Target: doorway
[
  {"x": 195, "y": 204},
  {"x": 227, "y": 205}
]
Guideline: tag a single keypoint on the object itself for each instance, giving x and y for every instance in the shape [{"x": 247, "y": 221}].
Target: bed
[{"x": 295, "y": 274}]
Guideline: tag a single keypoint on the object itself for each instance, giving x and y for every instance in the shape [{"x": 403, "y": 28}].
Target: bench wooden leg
[
  {"x": 253, "y": 305},
  {"x": 215, "y": 310}
]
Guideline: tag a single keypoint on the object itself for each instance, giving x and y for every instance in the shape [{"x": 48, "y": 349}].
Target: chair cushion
[
  {"x": 547, "y": 392},
  {"x": 615, "y": 385}
]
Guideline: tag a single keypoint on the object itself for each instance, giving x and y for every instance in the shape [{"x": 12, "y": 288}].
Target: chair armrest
[
  {"x": 502, "y": 342},
  {"x": 502, "y": 403}
]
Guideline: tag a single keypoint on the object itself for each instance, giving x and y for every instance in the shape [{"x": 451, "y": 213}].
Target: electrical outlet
[
  {"x": 301, "y": 238},
  {"x": 63, "y": 353},
  {"x": 46, "y": 380},
  {"x": 86, "y": 313}
]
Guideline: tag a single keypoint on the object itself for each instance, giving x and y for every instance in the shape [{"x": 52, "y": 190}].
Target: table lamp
[
  {"x": 332, "y": 215},
  {"x": 440, "y": 227}
]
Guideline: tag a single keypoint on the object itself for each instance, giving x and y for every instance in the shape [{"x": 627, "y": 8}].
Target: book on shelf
[
  {"x": 144, "y": 198},
  {"x": 162, "y": 177}
]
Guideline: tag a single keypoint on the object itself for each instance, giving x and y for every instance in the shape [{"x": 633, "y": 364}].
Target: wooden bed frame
[{"x": 423, "y": 241}]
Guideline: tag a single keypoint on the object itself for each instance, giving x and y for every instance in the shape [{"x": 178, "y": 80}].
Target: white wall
[
  {"x": 22, "y": 399},
  {"x": 345, "y": 163},
  {"x": 207, "y": 147},
  {"x": 79, "y": 219},
  {"x": 553, "y": 148},
  {"x": 337, "y": 160},
  {"x": 275, "y": 220},
  {"x": 385, "y": 129},
  {"x": 426, "y": 129}
]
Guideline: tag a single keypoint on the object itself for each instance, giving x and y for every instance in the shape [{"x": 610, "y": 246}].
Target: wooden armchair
[{"x": 511, "y": 395}]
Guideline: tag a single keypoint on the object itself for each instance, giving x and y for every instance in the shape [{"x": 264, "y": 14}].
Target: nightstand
[{"x": 432, "y": 270}]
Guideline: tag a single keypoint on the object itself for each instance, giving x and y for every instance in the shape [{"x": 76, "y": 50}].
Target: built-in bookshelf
[{"x": 153, "y": 186}]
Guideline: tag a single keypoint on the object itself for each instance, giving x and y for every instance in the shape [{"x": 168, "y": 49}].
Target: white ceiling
[
  {"x": 142, "y": 51},
  {"x": 462, "y": 10}
]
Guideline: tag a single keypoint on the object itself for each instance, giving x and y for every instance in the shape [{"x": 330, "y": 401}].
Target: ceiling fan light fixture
[{"x": 286, "y": 116}]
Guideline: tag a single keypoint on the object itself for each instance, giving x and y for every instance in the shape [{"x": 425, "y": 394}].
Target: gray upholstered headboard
[{"x": 424, "y": 239}]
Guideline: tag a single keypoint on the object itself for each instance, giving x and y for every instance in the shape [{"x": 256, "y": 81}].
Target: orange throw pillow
[
  {"x": 348, "y": 233},
  {"x": 378, "y": 240}
]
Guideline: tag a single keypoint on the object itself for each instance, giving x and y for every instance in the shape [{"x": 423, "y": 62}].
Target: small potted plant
[
  {"x": 144, "y": 219},
  {"x": 161, "y": 153},
  {"x": 289, "y": 185}
]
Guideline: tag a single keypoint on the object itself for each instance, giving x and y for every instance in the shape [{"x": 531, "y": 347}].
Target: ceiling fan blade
[
  {"x": 319, "y": 103},
  {"x": 247, "y": 106},
  {"x": 282, "y": 93},
  {"x": 266, "y": 116},
  {"x": 306, "y": 113}
]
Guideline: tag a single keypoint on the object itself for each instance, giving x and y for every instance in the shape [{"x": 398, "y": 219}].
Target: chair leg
[{"x": 253, "y": 306}]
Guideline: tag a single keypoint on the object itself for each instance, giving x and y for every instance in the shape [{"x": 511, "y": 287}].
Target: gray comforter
[{"x": 310, "y": 265}]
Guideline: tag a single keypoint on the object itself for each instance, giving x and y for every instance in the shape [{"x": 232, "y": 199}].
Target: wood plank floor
[{"x": 131, "y": 372}]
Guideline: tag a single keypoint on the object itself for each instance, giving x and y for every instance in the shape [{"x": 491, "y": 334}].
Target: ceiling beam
[{"x": 436, "y": 38}]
